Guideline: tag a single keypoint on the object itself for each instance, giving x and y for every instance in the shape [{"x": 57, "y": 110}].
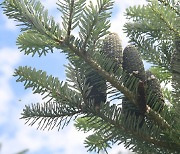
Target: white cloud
[
  {"x": 69, "y": 139},
  {"x": 6, "y": 95},
  {"x": 9, "y": 24},
  {"x": 23, "y": 137},
  {"x": 8, "y": 58}
]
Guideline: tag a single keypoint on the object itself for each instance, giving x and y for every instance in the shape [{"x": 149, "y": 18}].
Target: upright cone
[
  {"x": 98, "y": 86},
  {"x": 154, "y": 87},
  {"x": 132, "y": 62},
  {"x": 133, "y": 65},
  {"x": 112, "y": 48},
  {"x": 175, "y": 65}
]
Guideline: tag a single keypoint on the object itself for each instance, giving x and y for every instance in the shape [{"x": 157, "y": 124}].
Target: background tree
[{"x": 144, "y": 124}]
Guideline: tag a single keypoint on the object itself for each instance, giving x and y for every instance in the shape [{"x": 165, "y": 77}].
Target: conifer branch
[
  {"x": 94, "y": 23},
  {"x": 102, "y": 72},
  {"x": 143, "y": 137},
  {"x": 139, "y": 36},
  {"x": 170, "y": 6},
  {"x": 49, "y": 115},
  {"x": 105, "y": 74},
  {"x": 72, "y": 11},
  {"x": 32, "y": 15},
  {"x": 169, "y": 25},
  {"x": 115, "y": 83},
  {"x": 108, "y": 123},
  {"x": 43, "y": 84},
  {"x": 32, "y": 42},
  {"x": 70, "y": 17}
]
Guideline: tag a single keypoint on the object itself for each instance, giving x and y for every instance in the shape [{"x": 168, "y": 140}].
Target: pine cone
[
  {"x": 130, "y": 109},
  {"x": 132, "y": 62},
  {"x": 175, "y": 61},
  {"x": 153, "y": 85},
  {"x": 112, "y": 47},
  {"x": 98, "y": 88},
  {"x": 133, "y": 65},
  {"x": 175, "y": 65}
]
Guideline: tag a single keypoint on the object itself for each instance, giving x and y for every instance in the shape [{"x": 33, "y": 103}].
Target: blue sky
[{"x": 14, "y": 135}]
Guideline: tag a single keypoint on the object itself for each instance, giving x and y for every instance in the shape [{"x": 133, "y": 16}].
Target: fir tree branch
[
  {"x": 70, "y": 19},
  {"x": 150, "y": 34},
  {"x": 32, "y": 15},
  {"x": 77, "y": 80},
  {"x": 71, "y": 14},
  {"x": 139, "y": 135},
  {"x": 102, "y": 72},
  {"x": 114, "y": 82},
  {"x": 94, "y": 23},
  {"x": 43, "y": 84},
  {"x": 166, "y": 3},
  {"x": 32, "y": 42},
  {"x": 159, "y": 50},
  {"x": 149, "y": 15},
  {"x": 49, "y": 115},
  {"x": 67, "y": 102},
  {"x": 108, "y": 123},
  {"x": 97, "y": 142},
  {"x": 168, "y": 24}
]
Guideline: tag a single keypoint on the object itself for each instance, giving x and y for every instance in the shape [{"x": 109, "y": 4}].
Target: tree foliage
[{"x": 154, "y": 30}]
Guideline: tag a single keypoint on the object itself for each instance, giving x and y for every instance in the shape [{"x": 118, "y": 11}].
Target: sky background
[{"x": 14, "y": 134}]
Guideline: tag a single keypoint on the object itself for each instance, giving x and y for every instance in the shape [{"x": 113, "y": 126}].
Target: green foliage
[
  {"x": 36, "y": 23},
  {"x": 162, "y": 74},
  {"x": 154, "y": 87},
  {"x": 62, "y": 103},
  {"x": 32, "y": 15},
  {"x": 94, "y": 23},
  {"x": 32, "y": 41},
  {"x": 175, "y": 68},
  {"x": 176, "y": 82},
  {"x": 154, "y": 29},
  {"x": 39, "y": 81},
  {"x": 108, "y": 128},
  {"x": 167, "y": 94},
  {"x": 71, "y": 11}
]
